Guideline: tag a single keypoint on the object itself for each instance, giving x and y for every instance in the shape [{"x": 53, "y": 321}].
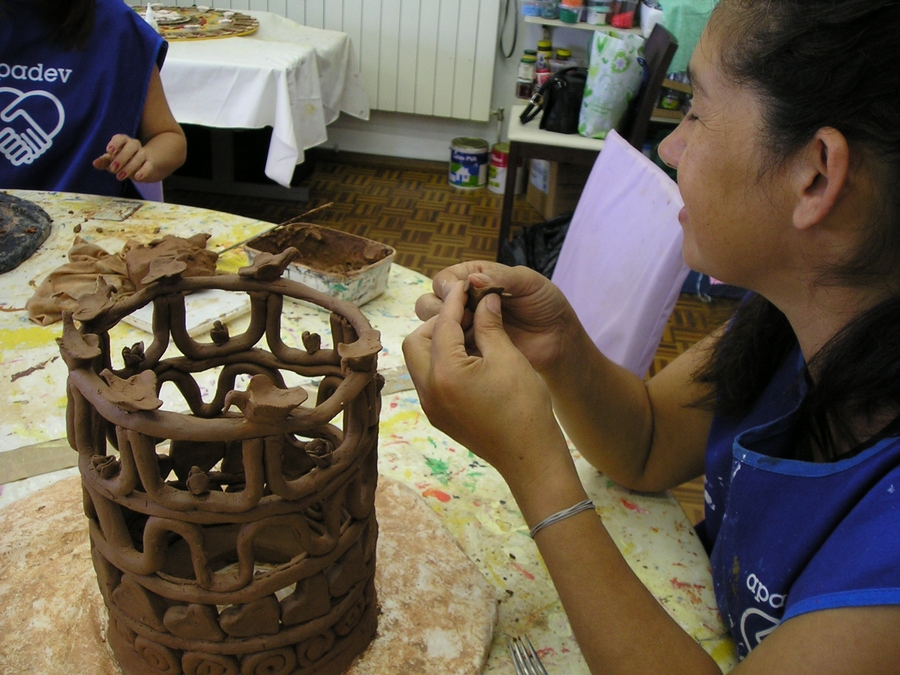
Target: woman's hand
[
  {"x": 159, "y": 149},
  {"x": 536, "y": 315},
  {"x": 126, "y": 158},
  {"x": 489, "y": 399}
]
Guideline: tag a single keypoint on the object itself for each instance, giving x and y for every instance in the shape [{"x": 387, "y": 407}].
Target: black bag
[
  {"x": 537, "y": 246},
  {"x": 560, "y": 100}
]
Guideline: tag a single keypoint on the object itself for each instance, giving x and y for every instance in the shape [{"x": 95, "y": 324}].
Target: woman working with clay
[
  {"x": 788, "y": 165},
  {"x": 82, "y": 107}
]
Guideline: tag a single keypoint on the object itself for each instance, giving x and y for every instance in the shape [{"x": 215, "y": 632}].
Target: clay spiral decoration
[
  {"x": 195, "y": 663},
  {"x": 275, "y": 662}
]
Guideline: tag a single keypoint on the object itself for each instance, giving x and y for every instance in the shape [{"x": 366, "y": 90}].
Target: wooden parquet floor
[{"x": 408, "y": 204}]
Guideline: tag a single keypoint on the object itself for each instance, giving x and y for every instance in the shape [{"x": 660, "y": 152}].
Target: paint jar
[
  {"x": 544, "y": 54},
  {"x": 623, "y": 13},
  {"x": 469, "y": 163},
  {"x": 563, "y": 60},
  {"x": 570, "y": 11},
  {"x": 524, "y": 89},
  {"x": 597, "y": 12},
  {"x": 550, "y": 9},
  {"x": 527, "y": 67},
  {"x": 531, "y": 7}
]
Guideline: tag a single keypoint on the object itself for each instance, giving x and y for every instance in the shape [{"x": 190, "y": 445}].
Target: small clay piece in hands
[{"x": 476, "y": 294}]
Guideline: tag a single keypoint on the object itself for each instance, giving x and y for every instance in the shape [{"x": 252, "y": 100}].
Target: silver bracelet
[{"x": 562, "y": 515}]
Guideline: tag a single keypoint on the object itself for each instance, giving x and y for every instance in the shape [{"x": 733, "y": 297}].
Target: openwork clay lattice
[{"x": 238, "y": 537}]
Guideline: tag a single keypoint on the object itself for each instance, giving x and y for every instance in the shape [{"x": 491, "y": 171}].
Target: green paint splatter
[
  {"x": 439, "y": 469},
  {"x": 471, "y": 481}
]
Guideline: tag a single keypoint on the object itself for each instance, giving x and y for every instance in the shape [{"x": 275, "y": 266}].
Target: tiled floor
[{"x": 409, "y": 205}]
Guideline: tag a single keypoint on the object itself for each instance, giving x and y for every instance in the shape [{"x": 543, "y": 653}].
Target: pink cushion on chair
[{"x": 621, "y": 266}]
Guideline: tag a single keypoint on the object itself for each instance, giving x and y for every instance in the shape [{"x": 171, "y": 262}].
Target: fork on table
[{"x": 524, "y": 657}]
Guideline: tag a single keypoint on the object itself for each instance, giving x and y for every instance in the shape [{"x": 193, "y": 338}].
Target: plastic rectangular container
[{"x": 341, "y": 264}]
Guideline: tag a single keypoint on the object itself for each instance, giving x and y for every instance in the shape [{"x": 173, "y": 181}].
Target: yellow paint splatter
[
  {"x": 32, "y": 336},
  {"x": 389, "y": 424},
  {"x": 723, "y": 654}
]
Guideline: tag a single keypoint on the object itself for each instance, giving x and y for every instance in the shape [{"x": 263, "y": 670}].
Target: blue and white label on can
[{"x": 469, "y": 163}]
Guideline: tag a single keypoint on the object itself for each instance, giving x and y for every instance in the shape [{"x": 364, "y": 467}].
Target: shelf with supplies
[
  {"x": 665, "y": 116},
  {"x": 556, "y": 23}
]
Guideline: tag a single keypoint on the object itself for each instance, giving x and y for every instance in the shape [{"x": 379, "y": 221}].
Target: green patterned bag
[{"x": 613, "y": 80}]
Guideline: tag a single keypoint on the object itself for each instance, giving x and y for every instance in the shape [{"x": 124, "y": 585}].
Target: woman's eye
[{"x": 688, "y": 109}]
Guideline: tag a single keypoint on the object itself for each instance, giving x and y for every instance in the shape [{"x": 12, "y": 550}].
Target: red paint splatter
[
  {"x": 525, "y": 573},
  {"x": 437, "y": 494},
  {"x": 631, "y": 506},
  {"x": 691, "y": 591},
  {"x": 393, "y": 405}
]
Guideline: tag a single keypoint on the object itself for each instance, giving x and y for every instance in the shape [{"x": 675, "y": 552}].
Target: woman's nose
[{"x": 672, "y": 146}]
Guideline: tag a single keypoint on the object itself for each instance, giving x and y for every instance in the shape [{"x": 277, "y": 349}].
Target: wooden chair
[{"x": 529, "y": 141}]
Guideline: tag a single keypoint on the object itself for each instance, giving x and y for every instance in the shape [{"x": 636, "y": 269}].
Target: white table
[
  {"x": 288, "y": 76},
  {"x": 529, "y": 141}
]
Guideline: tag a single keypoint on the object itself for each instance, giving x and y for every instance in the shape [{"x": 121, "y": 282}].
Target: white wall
[{"x": 418, "y": 137}]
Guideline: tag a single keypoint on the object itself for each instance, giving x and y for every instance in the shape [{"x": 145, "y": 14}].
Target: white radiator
[{"x": 429, "y": 57}]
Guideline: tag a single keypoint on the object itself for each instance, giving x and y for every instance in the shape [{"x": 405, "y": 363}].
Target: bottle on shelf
[
  {"x": 525, "y": 74},
  {"x": 550, "y": 9},
  {"x": 597, "y": 12},
  {"x": 544, "y": 54},
  {"x": 622, "y": 15},
  {"x": 562, "y": 60},
  {"x": 570, "y": 10}
]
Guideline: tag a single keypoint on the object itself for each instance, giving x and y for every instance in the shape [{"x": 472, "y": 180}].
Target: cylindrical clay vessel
[{"x": 232, "y": 527}]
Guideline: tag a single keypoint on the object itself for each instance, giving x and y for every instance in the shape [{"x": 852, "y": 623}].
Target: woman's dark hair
[
  {"x": 816, "y": 64},
  {"x": 71, "y": 21}
]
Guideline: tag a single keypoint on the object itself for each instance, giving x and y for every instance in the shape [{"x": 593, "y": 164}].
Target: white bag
[{"x": 613, "y": 80}]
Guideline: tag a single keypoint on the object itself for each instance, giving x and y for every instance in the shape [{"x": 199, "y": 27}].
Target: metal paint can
[
  {"x": 498, "y": 168},
  {"x": 469, "y": 163}
]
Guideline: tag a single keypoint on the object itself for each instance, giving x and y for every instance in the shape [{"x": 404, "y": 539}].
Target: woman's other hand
[
  {"x": 488, "y": 398},
  {"x": 536, "y": 315},
  {"x": 126, "y": 158},
  {"x": 159, "y": 149}
]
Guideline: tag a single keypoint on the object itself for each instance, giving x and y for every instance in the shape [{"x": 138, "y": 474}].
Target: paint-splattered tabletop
[{"x": 472, "y": 500}]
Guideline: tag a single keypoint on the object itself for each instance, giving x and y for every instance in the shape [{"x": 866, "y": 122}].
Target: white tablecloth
[{"x": 288, "y": 76}]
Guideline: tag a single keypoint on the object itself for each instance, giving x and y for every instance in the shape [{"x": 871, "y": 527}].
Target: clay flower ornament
[
  {"x": 75, "y": 348},
  {"x": 321, "y": 452},
  {"x": 92, "y": 305},
  {"x": 267, "y": 266},
  {"x": 164, "y": 269},
  {"x": 219, "y": 333},
  {"x": 197, "y": 482},
  {"x": 134, "y": 394},
  {"x": 133, "y": 356},
  {"x": 362, "y": 354},
  {"x": 107, "y": 466},
  {"x": 263, "y": 402}
]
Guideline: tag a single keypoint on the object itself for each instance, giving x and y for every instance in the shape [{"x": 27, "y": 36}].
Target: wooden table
[{"x": 471, "y": 499}]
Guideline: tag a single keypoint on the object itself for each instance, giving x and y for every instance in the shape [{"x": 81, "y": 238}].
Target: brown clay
[
  {"x": 475, "y": 294},
  {"x": 322, "y": 248},
  {"x": 248, "y": 544}
]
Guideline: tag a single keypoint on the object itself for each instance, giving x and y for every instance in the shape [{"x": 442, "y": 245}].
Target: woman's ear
[{"x": 820, "y": 176}]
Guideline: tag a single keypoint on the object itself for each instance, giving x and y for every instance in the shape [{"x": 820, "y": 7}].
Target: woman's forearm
[{"x": 616, "y": 420}]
